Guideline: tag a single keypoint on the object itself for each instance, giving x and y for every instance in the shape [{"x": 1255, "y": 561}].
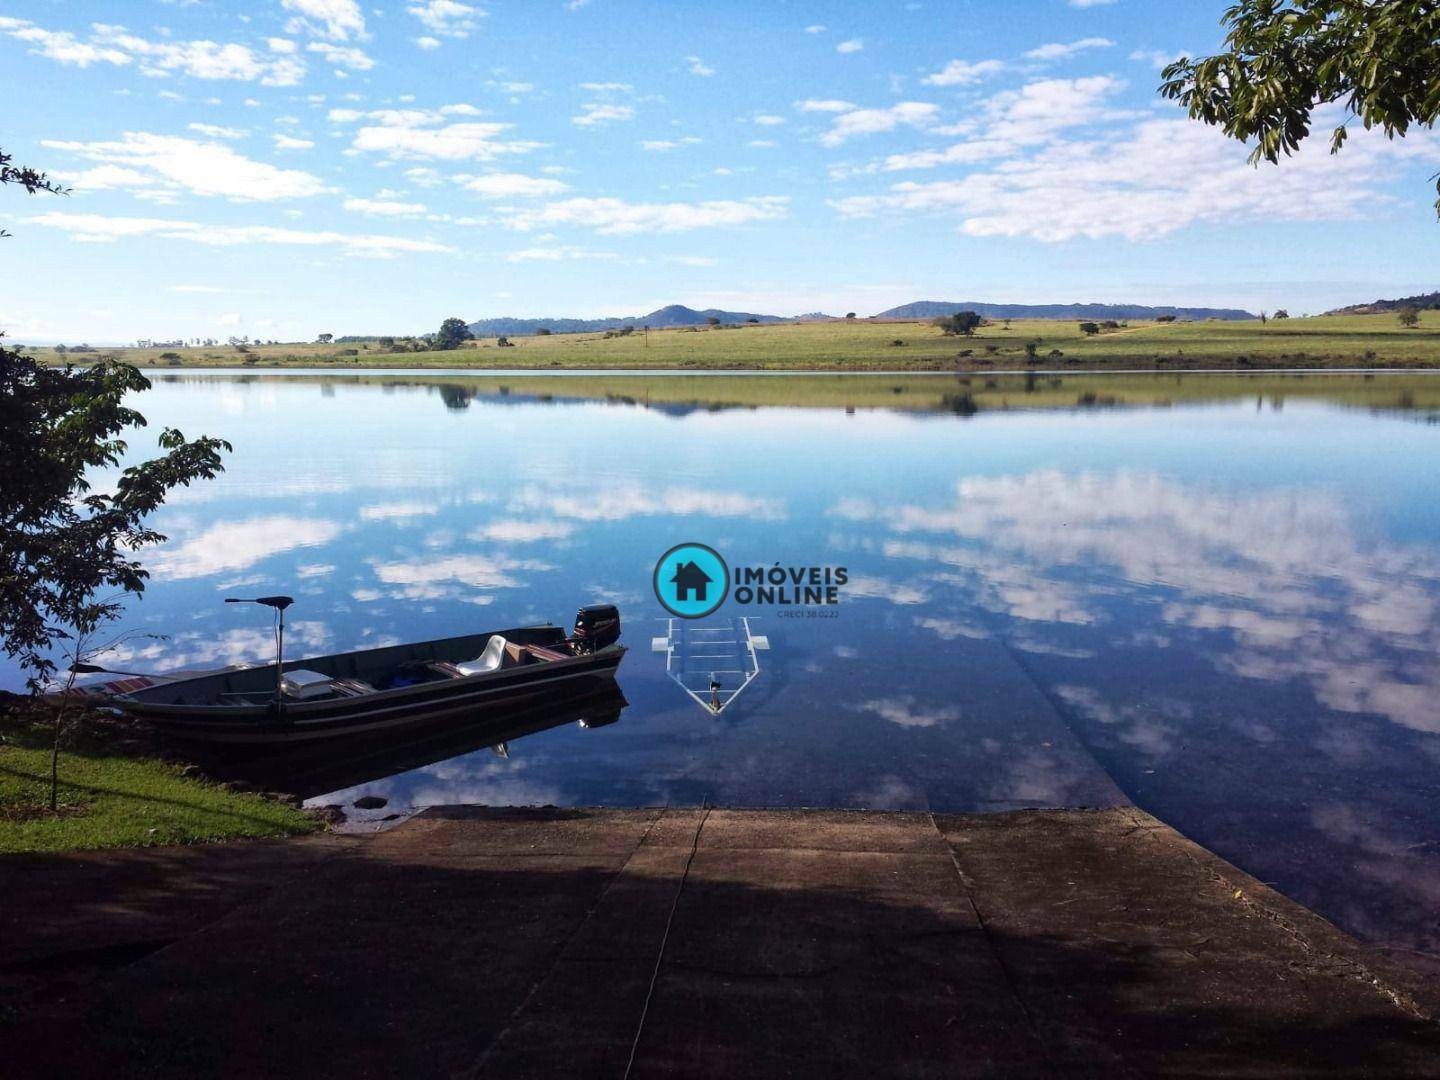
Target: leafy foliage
[
  {"x": 32, "y": 180},
  {"x": 452, "y": 332},
  {"x": 964, "y": 323},
  {"x": 62, "y": 543},
  {"x": 1284, "y": 58}
]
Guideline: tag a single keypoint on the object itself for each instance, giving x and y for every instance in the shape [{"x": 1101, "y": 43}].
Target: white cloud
[
  {"x": 618, "y": 217},
  {"x": 964, "y": 73},
  {"x": 338, "y": 20},
  {"x": 607, "y": 87},
  {"x": 384, "y": 207},
  {"x": 215, "y": 131},
  {"x": 289, "y": 142},
  {"x": 1163, "y": 176},
  {"x": 559, "y": 254},
  {"x": 658, "y": 144},
  {"x": 825, "y": 105},
  {"x": 511, "y": 186},
  {"x": 1030, "y": 116},
  {"x": 62, "y": 45},
  {"x": 446, "y": 576},
  {"x": 596, "y": 112},
  {"x": 625, "y": 501},
  {"x": 906, "y": 713},
  {"x": 521, "y": 532},
  {"x": 424, "y": 176},
  {"x": 449, "y": 18},
  {"x": 1089, "y": 3},
  {"x": 868, "y": 121},
  {"x": 698, "y": 66},
  {"x": 815, "y": 28},
  {"x": 425, "y": 41},
  {"x": 854, "y": 45},
  {"x": 398, "y": 511},
  {"x": 1059, "y": 51},
  {"x": 237, "y": 545},
  {"x": 426, "y": 133},
  {"x": 344, "y": 55},
  {"x": 1156, "y": 58},
  {"x": 97, "y": 228},
  {"x": 694, "y": 260},
  {"x": 769, "y": 120},
  {"x": 175, "y": 164},
  {"x": 114, "y": 45}
]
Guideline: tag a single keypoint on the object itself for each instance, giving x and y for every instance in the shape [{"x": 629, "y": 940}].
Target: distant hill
[
  {"x": 1380, "y": 307},
  {"x": 931, "y": 309},
  {"x": 676, "y": 315},
  {"x": 670, "y": 316}
]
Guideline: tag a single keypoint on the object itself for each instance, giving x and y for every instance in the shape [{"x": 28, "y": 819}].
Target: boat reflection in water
[{"x": 308, "y": 771}]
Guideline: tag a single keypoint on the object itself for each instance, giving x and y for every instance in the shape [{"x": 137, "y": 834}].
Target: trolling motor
[
  {"x": 595, "y": 627},
  {"x": 279, "y": 603}
]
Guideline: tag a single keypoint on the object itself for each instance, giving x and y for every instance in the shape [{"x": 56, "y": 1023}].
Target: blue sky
[{"x": 284, "y": 167}]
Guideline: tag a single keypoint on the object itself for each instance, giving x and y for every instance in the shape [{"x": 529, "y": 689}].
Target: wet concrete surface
[{"x": 504, "y": 942}]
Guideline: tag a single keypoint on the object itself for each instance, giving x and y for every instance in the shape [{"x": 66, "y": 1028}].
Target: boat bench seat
[{"x": 508, "y": 655}]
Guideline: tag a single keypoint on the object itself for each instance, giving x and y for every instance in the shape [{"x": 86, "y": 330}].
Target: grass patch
[
  {"x": 111, "y": 798},
  {"x": 1324, "y": 341}
]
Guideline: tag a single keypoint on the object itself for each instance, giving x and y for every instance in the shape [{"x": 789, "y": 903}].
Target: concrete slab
[
  {"x": 707, "y": 943},
  {"x": 65, "y": 919}
]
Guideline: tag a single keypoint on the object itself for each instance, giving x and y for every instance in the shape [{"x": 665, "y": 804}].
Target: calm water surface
[{"x": 1225, "y": 613}]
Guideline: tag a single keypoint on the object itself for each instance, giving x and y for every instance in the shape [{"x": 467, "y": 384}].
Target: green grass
[
  {"x": 1328, "y": 341},
  {"x": 109, "y": 799}
]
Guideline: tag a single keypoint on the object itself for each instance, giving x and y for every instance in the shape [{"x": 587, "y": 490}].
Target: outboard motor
[{"x": 595, "y": 627}]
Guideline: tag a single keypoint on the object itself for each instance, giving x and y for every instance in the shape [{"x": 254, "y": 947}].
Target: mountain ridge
[
  {"x": 930, "y": 309},
  {"x": 679, "y": 315},
  {"x": 668, "y": 317},
  {"x": 1420, "y": 302}
]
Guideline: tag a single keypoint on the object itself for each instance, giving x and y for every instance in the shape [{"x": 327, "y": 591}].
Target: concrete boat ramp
[{"x": 477, "y": 942}]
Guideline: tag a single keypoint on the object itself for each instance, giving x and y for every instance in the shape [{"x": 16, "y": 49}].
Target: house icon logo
[{"x": 691, "y": 581}]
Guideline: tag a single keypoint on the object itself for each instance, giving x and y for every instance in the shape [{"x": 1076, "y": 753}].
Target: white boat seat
[{"x": 492, "y": 659}]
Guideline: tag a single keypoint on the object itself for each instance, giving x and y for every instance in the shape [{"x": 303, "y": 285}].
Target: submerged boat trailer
[{"x": 712, "y": 662}]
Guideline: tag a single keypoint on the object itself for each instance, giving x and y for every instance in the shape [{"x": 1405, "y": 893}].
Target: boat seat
[
  {"x": 542, "y": 652},
  {"x": 492, "y": 659}
]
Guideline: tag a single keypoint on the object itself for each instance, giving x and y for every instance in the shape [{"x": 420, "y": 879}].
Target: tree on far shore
[
  {"x": 962, "y": 323},
  {"x": 1409, "y": 317},
  {"x": 452, "y": 333}
]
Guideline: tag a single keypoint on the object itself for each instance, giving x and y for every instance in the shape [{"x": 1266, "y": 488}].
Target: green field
[
  {"x": 1328, "y": 341},
  {"x": 110, "y": 797}
]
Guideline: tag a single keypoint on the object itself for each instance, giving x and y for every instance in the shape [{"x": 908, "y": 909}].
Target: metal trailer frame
[{"x": 685, "y": 654}]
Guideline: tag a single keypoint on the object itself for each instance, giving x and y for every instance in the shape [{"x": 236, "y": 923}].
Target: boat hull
[{"x": 384, "y": 711}]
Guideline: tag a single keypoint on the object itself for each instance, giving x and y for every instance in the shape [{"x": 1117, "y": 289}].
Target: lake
[{"x": 1217, "y": 599}]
